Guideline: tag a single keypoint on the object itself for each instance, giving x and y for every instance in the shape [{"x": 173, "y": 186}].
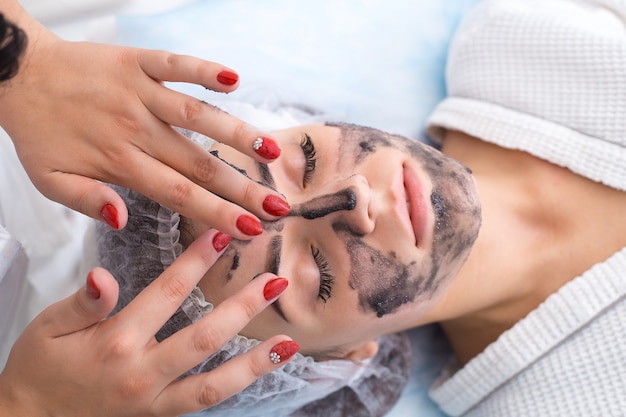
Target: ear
[{"x": 365, "y": 351}]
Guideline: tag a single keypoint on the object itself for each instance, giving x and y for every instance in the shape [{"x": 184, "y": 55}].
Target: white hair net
[{"x": 149, "y": 243}]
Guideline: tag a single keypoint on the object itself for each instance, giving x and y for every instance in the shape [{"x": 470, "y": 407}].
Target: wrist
[{"x": 31, "y": 39}]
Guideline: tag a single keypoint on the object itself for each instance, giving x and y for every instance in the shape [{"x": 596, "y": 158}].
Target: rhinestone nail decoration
[{"x": 274, "y": 357}]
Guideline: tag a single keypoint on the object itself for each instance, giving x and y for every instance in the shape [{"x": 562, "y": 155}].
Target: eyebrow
[
  {"x": 265, "y": 174},
  {"x": 273, "y": 265}
]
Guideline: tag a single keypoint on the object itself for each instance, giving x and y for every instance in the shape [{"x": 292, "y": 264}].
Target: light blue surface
[{"x": 373, "y": 62}]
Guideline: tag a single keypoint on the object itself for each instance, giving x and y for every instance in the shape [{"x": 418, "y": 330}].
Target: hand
[
  {"x": 81, "y": 113},
  {"x": 70, "y": 362}
]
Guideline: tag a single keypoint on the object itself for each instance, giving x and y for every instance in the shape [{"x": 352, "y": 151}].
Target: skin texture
[{"x": 349, "y": 238}]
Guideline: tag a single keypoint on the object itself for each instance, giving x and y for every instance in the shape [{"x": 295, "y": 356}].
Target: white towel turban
[{"x": 544, "y": 76}]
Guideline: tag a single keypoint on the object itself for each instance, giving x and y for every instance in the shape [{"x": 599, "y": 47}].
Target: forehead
[{"x": 360, "y": 141}]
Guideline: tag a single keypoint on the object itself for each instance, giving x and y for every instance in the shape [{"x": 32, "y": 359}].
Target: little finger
[{"x": 207, "y": 389}]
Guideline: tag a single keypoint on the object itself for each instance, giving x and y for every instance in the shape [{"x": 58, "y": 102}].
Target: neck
[{"x": 532, "y": 240}]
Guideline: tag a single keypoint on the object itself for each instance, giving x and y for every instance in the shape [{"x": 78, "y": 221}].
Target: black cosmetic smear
[
  {"x": 235, "y": 264},
  {"x": 384, "y": 283},
  {"x": 241, "y": 171},
  {"x": 326, "y": 204},
  {"x": 389, "y": 282}
]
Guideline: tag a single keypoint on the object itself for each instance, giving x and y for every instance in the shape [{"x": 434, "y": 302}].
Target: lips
[{"x": 417, "y": 207}]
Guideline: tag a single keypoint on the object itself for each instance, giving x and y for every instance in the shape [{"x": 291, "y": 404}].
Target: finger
[
  {"x": 86, "y": 307},
  {"x": 195, "y": 343},
  {"x": 213, "y": 174},
  {"x": 87, "y": 196},
  {"x": 207, "y": 389},
  {"x": 180, "y": 110},
  {"x": 171, "y": 189},
  {"x": 159, "y": 300},
  {"x": 167, "y": 66}
]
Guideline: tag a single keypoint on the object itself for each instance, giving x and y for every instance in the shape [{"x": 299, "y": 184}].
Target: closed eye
[
  {"x": 308, "y": 149},
  {"x": 326, "y": 279}
]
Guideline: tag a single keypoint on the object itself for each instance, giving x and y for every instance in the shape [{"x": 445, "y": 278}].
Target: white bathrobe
[{"x": 547, "y": 77}]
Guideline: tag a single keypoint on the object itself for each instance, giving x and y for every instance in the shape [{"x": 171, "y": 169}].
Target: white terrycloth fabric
[
  {"x": 566, "y": 358},
  {"x": 547, "y": 77},
  {"x": 544, "y": 76}
]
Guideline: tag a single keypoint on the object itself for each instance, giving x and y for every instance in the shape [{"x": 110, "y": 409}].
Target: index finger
[
  {"x": 181, "y": 110},
  {"x": 159, "y": 300}
]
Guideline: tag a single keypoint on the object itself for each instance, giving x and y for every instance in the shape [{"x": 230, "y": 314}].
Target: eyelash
[
  {"x": 309, "y": 157},
  {"x": 326, "y": 279}
]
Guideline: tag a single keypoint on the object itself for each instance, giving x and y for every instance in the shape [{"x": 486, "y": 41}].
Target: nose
[{"x": 347, "y": 201}]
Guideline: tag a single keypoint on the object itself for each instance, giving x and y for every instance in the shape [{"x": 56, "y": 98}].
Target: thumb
[
  {"x": 86, "y": 307},
  {"x": 87, "y": 196}
]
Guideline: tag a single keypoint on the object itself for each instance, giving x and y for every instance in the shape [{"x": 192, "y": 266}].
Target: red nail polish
[
  {"x": 267, "y": 148},
  {"x": 249, "y": 225},
  {"x": 227, "y": 78},
  {"x": 283, "y": 351},
  {"x": 109, "y": 215},
  {"x": 276, "y": 206},
  {"x": 274, "y": 288},
  {"x": 92, "y": 289},
  {"x": 220, "y": 241}
]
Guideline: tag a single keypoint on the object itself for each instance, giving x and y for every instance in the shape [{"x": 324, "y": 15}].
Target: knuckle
[
  {"x": 178, "y": 195},
  {"x": 80, "y": 202},
  {"x": 208, "y": 341},
  {"x": 120, "y": 345},
  {"x": 256, "y": 369},
  {"x": 209, "y": 395},
  {"x": 172, "y": 60},
  {"x": 205, "y": 170},
  {"x": 134, "y": 387},
  {"x": 191, "y": 109},
  {"x": 248, "y": 308},
  {"x": 174, "y": 289},
  {"x": 125, "y": 122},
  {"x": 127, "y": 56},
  {"x": 249, "y": 191},
  {"x": 240, "y": 132}
]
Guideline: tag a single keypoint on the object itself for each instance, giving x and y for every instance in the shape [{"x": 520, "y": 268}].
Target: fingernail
[
  {"x": 92, "y": 289},
  {"x": 283, "y": 351},
  {"x": 109, "y": 215},
  {"x": 274, "y": 288},
  {"x": 227, "y": 78},
  {"x": 276, "y": 206},
  {"x": 249, "y": 225},
  {"x": 266, "y": 147},
  {"x": 220, "y": 241}
]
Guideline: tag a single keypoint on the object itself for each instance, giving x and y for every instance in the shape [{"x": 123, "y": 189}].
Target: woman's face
[{"x": 379, "y": 227}]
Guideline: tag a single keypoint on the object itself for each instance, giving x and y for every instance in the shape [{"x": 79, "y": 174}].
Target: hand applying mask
[{"x": 81, "y": 113}]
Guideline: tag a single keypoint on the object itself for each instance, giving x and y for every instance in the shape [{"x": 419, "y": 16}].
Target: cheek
[{"x": 383, "y": 283}]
